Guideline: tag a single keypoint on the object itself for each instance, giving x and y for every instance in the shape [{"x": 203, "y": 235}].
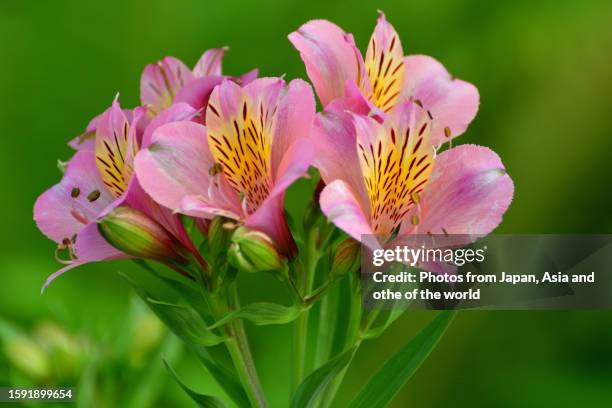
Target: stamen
[{"x": 93, "y": 196}]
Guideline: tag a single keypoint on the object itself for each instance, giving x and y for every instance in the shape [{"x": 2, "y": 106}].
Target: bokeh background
[{"x": 543, "y": 71}]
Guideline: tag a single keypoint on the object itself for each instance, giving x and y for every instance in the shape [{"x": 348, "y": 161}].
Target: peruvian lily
[
  {"x": 170, "y": 81},
  {"x": 345, "y": 80},
  {"x": 255, "y": 144},
  {"x": 98, "y": 179},
  {"x": 386, "y": 178}
]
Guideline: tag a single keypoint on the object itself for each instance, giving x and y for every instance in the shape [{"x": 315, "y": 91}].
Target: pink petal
[
  {"x": 247, "y": 77},
  {"x": 294, "y": 119},
  {"x": 330, "y": 56},
  {"x": 197, "y": 92},
  {"x": 177, "y": 164},
  {"x": 209, "y": 63},
  {"x": 91, "y": 246},
  {"x": 204, "y": 207},
  {"x": 270, "y": 216},
  {"x": 335, "y": 144},
  {"x": 270, "y": 219},
  {"x": 468, "y": 193},
  {"x": 160, "y": 83},
  {"x": 453, "y": 103},
  {"x": 178, "y": 112},
  {"x": 64, "y": 209},
  {"x": 340, "y": 205}
]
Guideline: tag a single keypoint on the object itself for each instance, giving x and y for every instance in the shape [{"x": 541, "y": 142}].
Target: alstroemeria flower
[
  {"x": 345, "y": 80},
  {"x": 170, "y": 81},
  {"x": 99, "y": 178},
  {"x": 383, "y": 178},
  {"x": 254, "y": 146}
]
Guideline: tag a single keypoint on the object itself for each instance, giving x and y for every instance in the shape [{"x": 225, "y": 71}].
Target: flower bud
[
  {"x": 347, "y": 258},
  {"x": 253, "y": 251},
  {"x": 133, "y": 233}
]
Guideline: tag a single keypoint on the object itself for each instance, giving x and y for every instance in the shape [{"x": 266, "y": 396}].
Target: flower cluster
[
  {"x": 205, "y": 144},
  {"x": 195, "y": 178}
]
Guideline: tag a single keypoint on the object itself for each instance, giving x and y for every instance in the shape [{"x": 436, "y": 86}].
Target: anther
[
  {"x": 415, "y": 197},
  {"x": 75, "y": 192},
  {"x": 93, "y": 196},
  {"x": 215, "y": 169},
  {"x": 415, "y": 220},
  {"x": 447, "y": 132}
]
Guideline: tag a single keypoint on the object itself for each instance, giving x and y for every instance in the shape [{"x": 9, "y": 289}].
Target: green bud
[
  {"x": 133, "y": 233},
  {"x": 347, "y": 257},
  {"x": 253, "y": 251}
]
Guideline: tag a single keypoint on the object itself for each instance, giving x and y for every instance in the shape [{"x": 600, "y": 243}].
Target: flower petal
[
  {"x": 384, "y": 64},
  {"x": 330, "y": 56},
  {"x": 65, "y": 209},
  {"x": 335, "y": 144},
  {"x": 160, "y": 83},
  {"x": 209, "y": 63},
  {"x": 468, "y": 193},
  {"x": 178, "y": 112},
  {"x": 115, "y": 149},
  {"x": 178, "y": 164},
  {"x": 240, "y": 125},
  {"x": 270, "y": 216},
  {"x": 453, "y": 103},
  {"x": 342, "y": 208},
  {"x": 296, "y": 112},
  {"x": 197, "y": 92}
]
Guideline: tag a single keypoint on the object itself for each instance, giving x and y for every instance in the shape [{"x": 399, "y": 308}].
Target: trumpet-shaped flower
[
  {"x": 170, "y": 81},
  {"x": 100, "y": 178},
  {"x": 384, "y": 178},
  {"x": 384, "y": 78},
  {"x": 255, "y": 144}
]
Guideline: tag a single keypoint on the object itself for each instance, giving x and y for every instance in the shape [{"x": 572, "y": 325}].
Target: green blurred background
[{"x": 543, "y": 71}]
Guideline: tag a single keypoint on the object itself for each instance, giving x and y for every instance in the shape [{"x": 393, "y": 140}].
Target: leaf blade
[
  {"x": 313, "y": 386},
  {"x": 203, "y": 401},
  {"x": 391, "y": 377},
  {"x": 262, "y": 314}
]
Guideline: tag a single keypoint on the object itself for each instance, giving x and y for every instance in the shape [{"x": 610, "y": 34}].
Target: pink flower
[
  {"x": 383, "y": 178},
  {"x": 99, "y": 178},
  {"x": 344, "y": 79},
  {"x": 170, "y": 81},
  {"x": 254, "y": 146}
]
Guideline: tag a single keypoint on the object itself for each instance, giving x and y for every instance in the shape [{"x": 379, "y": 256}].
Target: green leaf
[
  {"x": 203, "y": 401},
  {"x": 377, "y": 331},
  {"x": 314, "y": 385},
  {"x": 262, "y": 314},
  {"x": 183, "y": 321},
  {"x": 225, "y": 377},
  {"x": 389, "y": 380}
]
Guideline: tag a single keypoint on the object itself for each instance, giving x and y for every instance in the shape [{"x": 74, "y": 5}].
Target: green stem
[
  {"x": 240, "y": 353},
  {"x": 300, "y": 332},
  {"x": 353, "y": 339}
]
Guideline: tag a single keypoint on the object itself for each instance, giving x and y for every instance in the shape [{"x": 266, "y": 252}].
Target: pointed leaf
[
  {"x": 203, "y": 401},
  {"x": 262, "y": 314},
  {"x": 183, "y": 321},
  {"x": 225, "y": 377},
  {"x": 377, "y": 331},
  {"x": 389, "y": 380},
  {"x": 309, "y": 391}
]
